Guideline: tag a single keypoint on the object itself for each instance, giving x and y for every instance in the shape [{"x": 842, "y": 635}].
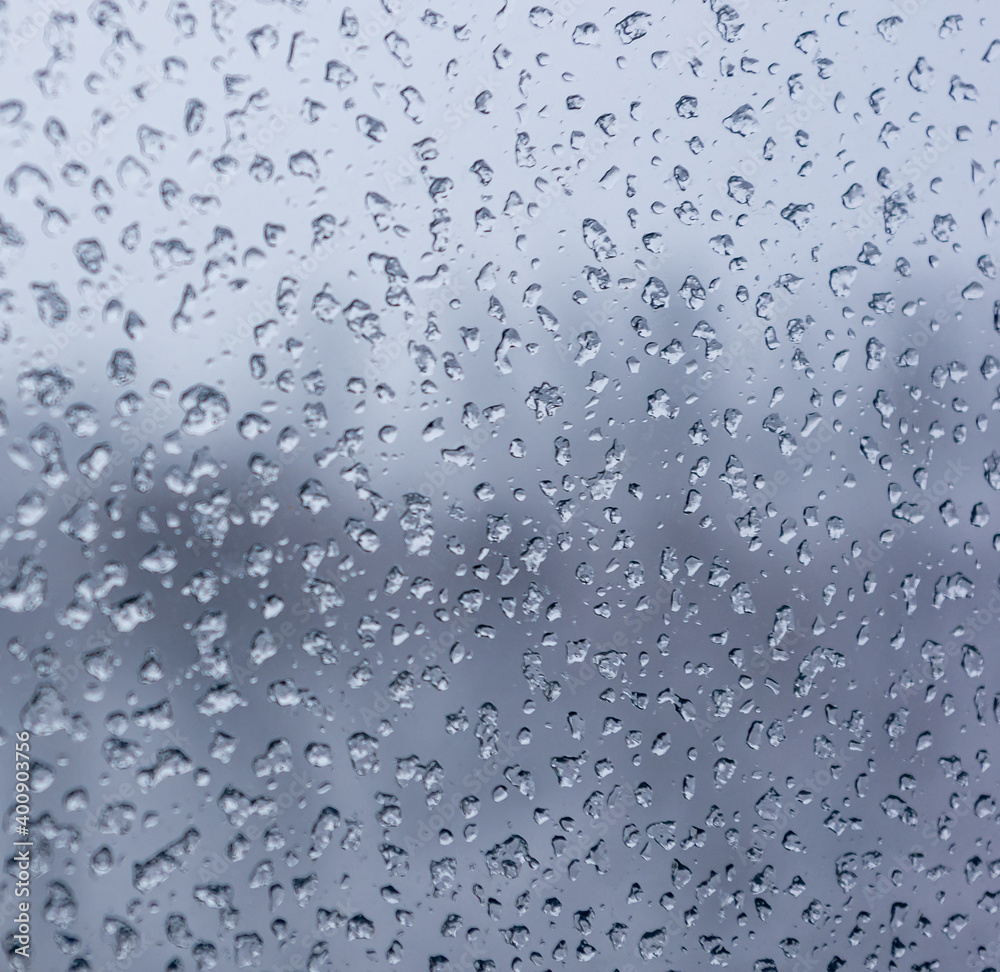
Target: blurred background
[{"x": 501, "y": 487}]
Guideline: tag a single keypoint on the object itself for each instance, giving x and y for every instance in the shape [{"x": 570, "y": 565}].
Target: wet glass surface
[{"x": 501, "y": 487}]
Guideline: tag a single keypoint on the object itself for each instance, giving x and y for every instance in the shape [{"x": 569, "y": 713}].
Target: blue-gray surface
[{"x": 503, "y": 487}]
